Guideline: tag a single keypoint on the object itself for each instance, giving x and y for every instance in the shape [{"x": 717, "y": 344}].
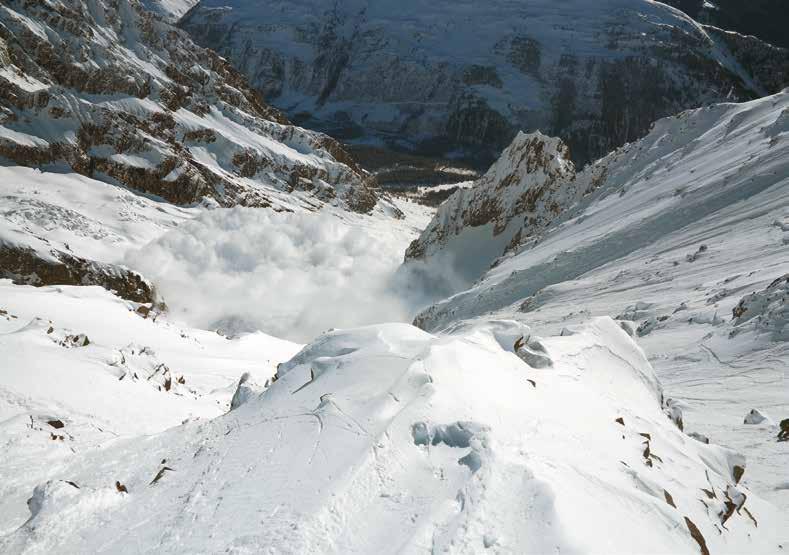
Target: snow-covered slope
[
  {"x": 690, "y": 171},
  {"x": 106, "y": 92},
  {"x": 104, "y": 368},
  {"x": 170, "y": 10},
  {"x": 443, "y": 74},
  {"x": 684, "y": 237},
  {"x": 111, "y": 91},
  {"x": 444, "y": 443}
]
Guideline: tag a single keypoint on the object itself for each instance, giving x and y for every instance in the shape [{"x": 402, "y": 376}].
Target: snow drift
[{"x": 387, "y": 438}]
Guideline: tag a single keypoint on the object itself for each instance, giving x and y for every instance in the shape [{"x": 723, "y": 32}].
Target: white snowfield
[
  {"x": 389, "y": 439},
  {"x": 135, "y": 376}
]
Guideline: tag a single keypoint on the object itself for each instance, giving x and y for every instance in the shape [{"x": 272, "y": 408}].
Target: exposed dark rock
[{"x": 25, "y": 266}]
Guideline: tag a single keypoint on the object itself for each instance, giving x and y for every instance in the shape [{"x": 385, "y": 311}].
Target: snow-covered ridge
[
  {"x": 682, "y": 237},
  {"x": 445, "y": 443},
  {"x": 471, "y": 74},
  {"x": 525, "y": 189},
  {"x": 690, "y": 167}
]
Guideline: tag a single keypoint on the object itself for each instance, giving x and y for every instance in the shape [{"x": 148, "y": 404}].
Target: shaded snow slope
[
  {"x": 447, "y": 74},
  {"x": 387, "y": 439},
  {"x": 170, "y": 10},
  {"x": 684, "y": 240}
]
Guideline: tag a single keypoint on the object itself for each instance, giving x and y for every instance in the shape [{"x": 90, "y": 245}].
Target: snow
[
  {"x": 170, "y": 10},
  {"x": 604, "y": 373},
  {"x": 682, "y": 229},
  {"x": 71, "y": 212},
  {"x": 421, "y": 451},
  {"x": 105, "y": 390},
  {"x": 293, "y": 275}
]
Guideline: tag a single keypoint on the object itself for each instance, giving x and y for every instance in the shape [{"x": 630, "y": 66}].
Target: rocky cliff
[
  {"x": 444, "y": 75},
  {"x": 109, "y": 90}
]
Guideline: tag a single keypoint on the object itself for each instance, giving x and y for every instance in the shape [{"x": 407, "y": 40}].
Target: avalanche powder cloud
[{"x": 289, "y": 275}]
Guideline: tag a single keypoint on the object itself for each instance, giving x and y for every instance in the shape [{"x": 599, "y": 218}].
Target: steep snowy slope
[
  {"x": 668, "y": 234},
  {"x": 170, "y": 10},
  {"x": 108, "y": 92},
  {"x": 388, "y": 439},
  {"x": 444, "y": 74},
  {"x": 766, "y": 19}
]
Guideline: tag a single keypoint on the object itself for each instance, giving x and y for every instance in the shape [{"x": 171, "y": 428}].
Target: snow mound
[
  {"x": 82, "y": 368},
  {"x": 765, "y": 311},
  {"x": 387, "y": 436}
]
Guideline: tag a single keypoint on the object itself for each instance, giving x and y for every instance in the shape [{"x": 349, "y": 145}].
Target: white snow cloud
[{"x": 289, "y": 275}]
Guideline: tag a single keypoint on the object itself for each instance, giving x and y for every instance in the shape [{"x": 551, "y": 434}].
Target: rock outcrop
[
  {"x": 28, "y": 267},
  {"x": 765, "y": 311},
  {"x": 523, "y": 191}
]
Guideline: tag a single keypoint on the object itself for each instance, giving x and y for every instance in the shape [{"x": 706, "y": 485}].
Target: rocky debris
[
  {"x": 696, "y": 534},
  {"x": 162, "y": 377},
  {"x": 766, "y": 311},
  {"x": 755, "y": 416},
  {"x": 138, "y": 103},
  {"x": 160, "y": 474},
  {"x": 80, "y": 340},
  {"x": 647, "y": 326},
  {"x": 696, "y": 255},
  {"x": 699, "y": 437},
  {"x": 674, "y": 411},
  {"x": 28, "y": 267}
]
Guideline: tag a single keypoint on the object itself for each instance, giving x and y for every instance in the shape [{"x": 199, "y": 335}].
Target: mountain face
[
  {"x": 106, "y": 90},
  {"x": 531, "y": 206},
  {"x": 766, "y": 19},
  {"x": 447, "y": 75},
  {"x": 681, "y": 236},
  {"x": 109, "y": 90}
]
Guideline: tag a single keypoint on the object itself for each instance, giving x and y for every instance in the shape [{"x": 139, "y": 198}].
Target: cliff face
[
  {"x": 446, "y": 75},
  {"x": 111, "y": 91}
]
